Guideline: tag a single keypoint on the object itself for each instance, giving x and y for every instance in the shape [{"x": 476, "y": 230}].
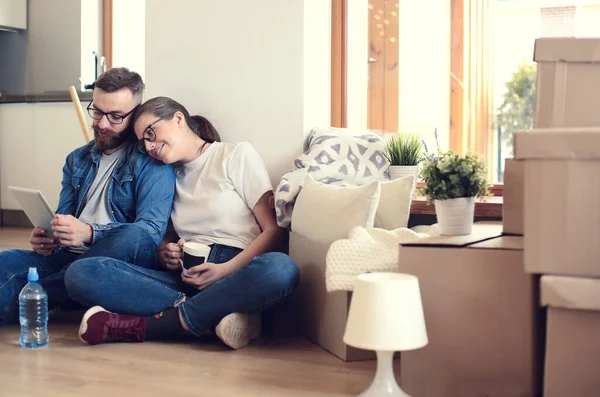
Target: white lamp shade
[{"x": 386, "y": 313}]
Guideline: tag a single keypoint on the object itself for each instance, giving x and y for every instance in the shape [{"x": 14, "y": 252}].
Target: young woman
[{"x": 223, "y": 199}]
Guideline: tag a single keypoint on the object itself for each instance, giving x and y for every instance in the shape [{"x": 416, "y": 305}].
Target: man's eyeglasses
[{"x": 112, "y": 118}]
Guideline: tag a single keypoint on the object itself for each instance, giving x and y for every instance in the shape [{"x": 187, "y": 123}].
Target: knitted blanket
[
  {"x": 334, "y": 156},
  {"x": 367, "y": 250}
]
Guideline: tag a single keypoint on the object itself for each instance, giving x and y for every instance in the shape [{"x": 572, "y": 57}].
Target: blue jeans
[
  {"x": 124, "y": 288},
  {"x": 127, "y": 242}
]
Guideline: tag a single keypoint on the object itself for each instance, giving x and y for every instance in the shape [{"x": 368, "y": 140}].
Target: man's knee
[{"x": 129, "y": 243}]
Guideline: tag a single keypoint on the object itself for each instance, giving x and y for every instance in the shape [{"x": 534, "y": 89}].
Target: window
[
  {"x": 517, "y": 24},
  {"x": 462, "y": 68}
]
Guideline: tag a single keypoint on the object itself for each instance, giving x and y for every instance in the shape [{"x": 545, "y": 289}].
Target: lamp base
[{"x": 384, "y": 384}]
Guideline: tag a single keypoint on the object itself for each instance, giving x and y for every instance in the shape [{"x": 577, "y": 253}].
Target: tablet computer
[{"x": 35, "y": 206}]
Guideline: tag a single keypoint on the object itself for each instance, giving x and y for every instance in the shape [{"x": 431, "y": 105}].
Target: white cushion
[
  {"x": 394, "y": 203},
  {"x": 326, "y": 213}
]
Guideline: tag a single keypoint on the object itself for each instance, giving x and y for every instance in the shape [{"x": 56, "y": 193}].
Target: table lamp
[{"x": 386, "y": 315}]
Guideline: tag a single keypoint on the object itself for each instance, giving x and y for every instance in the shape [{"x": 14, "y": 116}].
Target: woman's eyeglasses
[{"x": 148, "y": 136}]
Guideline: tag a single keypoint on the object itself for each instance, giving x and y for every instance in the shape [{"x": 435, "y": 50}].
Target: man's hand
[
  {"x": 210, "y": 273},
  {"x": 70, "y": 231},
  {"x": 171, "y": 255},
  {"x": 40, "y": 244}
]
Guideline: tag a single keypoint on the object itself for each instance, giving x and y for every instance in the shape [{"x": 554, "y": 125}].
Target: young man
[{"x": 115, "y": 200}]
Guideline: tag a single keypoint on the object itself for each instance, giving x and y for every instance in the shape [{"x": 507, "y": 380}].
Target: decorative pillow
[
  {"x": 326, "y": 213},
  {"x": 335, "y": 156},
  {"x": 393, "y": 209}
]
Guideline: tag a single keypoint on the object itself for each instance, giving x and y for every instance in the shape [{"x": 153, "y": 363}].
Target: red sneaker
[{"x": 101, "y": 326}]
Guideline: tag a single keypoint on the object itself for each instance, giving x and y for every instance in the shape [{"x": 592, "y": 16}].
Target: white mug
[{"x": 194, "y": 254}]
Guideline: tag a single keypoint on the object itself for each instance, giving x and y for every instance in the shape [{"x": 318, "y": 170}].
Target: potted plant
[
  {"x": 452, "y": 182},
  {"x": 404, "y": 152}
]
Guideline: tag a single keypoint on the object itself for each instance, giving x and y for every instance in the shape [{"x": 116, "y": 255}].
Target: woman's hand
[
  {"x": 171, "y": 255},
  {"x": 210, "y": 273}
]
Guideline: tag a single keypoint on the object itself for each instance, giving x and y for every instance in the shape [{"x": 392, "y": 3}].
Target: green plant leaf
[
  {"x": 404, "y": 149},
  {"x": 448, "y": 175}
]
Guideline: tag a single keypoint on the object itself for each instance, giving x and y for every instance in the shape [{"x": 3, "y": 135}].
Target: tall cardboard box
[
  {"x": 568, "y": 82},
  {"x": 572, "y": 366},
  {"x": 481, "y": 312},
  {"x": 320, "y": 315},
  {"x": 513, "y": 196},
  {"x": 562, "y": 196}
]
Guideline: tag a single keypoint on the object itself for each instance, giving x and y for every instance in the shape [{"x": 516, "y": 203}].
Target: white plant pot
[
  {"x": 455, "y": 216},
  {"x": 399, "y": 171}
]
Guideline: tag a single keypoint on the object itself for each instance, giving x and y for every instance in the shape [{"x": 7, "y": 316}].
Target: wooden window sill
[{"x": 489, "y": 207}]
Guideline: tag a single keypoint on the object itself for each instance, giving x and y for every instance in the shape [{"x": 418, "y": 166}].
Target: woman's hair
[{"x": 165, "y": 108}]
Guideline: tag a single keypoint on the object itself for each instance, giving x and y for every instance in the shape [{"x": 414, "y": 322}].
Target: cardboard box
[
  {"x": 572, "y": 366},
  {"x": 568, "y": 82},
  {"x": 562, "y": 192},
  {"x": 513, "y": 197},
  {"x": 321, "y": 316},
  {"x": 482, "y": 314}
]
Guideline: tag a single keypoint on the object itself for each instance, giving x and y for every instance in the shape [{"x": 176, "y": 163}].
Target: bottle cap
[{"x": 33, "y": 275}]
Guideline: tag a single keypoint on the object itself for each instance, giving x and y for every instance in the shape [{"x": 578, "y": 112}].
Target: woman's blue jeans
[{"x": 124, "y": 288}]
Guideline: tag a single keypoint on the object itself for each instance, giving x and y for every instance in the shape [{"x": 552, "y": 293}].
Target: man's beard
[{"x": 111, "y": 140}]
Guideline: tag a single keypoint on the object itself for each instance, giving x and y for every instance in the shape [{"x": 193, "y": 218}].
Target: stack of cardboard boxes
[
  {"x": 515, "y": 311},
  {"x": 559, "y": 163}
]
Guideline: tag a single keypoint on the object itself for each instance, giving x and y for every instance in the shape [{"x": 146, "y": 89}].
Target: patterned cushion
[{"x": 337, "y": 156}]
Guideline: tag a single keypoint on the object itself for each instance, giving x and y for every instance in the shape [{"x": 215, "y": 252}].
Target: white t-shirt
[
  {"x": 215, "y": 195},
  {"x": 96, "y": 199}
]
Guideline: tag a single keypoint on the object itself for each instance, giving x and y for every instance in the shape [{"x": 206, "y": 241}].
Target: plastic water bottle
[{"x": 33, "y": 312}]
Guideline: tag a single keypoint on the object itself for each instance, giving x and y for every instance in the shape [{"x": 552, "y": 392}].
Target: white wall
[
  {"x": 129, "y": 35},
  {"x": 259, "y": 70},
  {"x": 35, "y": 139}
]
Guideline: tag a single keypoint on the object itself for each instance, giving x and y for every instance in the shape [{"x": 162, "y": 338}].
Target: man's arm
[{"x": 67, "y": 200}]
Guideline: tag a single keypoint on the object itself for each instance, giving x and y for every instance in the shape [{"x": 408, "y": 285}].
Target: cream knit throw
[{"x": 365, "y": 250}]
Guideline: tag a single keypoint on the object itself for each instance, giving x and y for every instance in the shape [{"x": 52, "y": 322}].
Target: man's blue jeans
[
  {"x": 128, "y": 242},
  {"x": 124, "y": 288}
]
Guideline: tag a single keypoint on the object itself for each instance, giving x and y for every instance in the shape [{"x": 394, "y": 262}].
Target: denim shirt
[{"x": 140, "y": 191}]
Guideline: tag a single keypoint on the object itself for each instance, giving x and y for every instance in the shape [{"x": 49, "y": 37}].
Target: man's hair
[{"x": 115, "y": 79}]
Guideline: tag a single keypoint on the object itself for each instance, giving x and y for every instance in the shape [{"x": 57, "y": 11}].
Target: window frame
[
  {"x": 107, "y": 32},
  {"x": 339, "y": 72}
]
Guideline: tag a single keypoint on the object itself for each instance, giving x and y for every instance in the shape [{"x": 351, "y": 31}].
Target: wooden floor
[
  {"x": 273, "y": 366},
  {"x": 14, "y": 237}
]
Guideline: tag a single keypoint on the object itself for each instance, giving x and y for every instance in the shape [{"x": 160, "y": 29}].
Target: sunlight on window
[
  {"x": 517, "y": 24},
  {"x": 424, "y": 67},
  {"x": 400, "y": 58}
]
